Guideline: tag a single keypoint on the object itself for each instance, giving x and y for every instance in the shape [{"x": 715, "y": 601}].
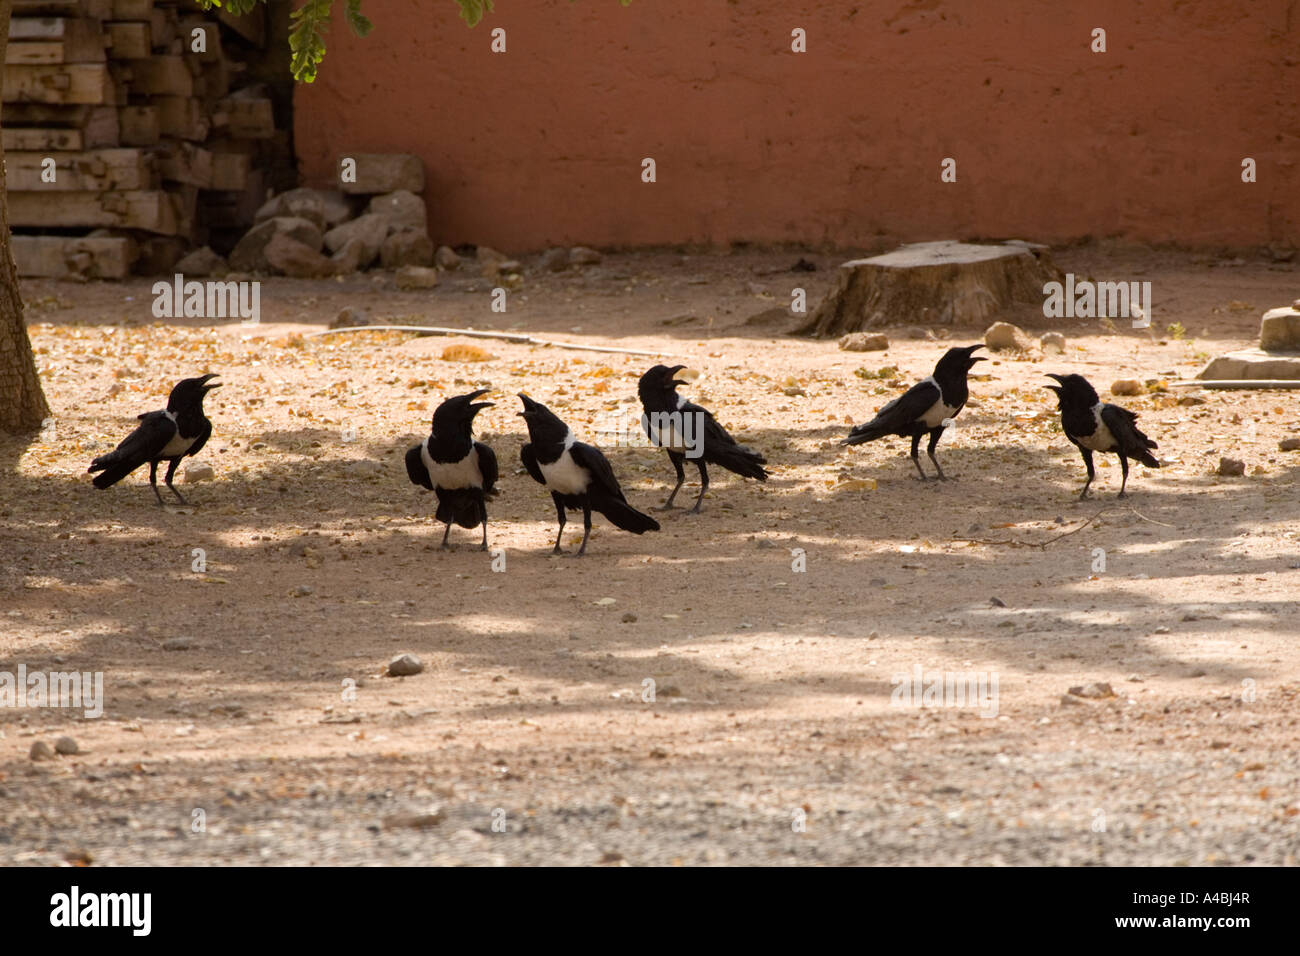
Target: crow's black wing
[
  {"x": 149, "y": 438},
  {"x": 204, "y": 434},
  {"x": 1129, "y": 441},
  {"x": 529, "y": 458},
  {"x": 415, "y": 469},
  {"x": 142, "y": 445},
  {"x": 487, "y": 465},
  {"x": 720, "y": 448},
  {"x": 597, "y": 465},
  {"x": 714, "y": 433},
  {"x": 899, "y": 415}
]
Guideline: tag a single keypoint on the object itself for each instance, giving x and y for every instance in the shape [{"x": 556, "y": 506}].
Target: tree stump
[{"x": 934, "y": 283}]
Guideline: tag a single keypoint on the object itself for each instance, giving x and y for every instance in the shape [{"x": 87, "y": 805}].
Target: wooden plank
[
  {"x": 129, "y": 40},
  {"x": 44, "y": 138},
  {"x": 251, "y": 26},
  {"x": 245, "y": 118},
  {"x": 182, "y": 117},
  {"x": 216, "y": 80},
  {"x": 34, "y": 40},
  {"x": 63, "y": 257},
  {"x": 163, "y": 24},
  {"x": 229, "y": 171},
  {"x": 162, "y": 76},
  {"x": 182, "y": 162},
  {"x": 150, "y": 210},
  {"x": 73, "y": 83},
  {"x": 184, "y": 199},
  {"x": 94, "y": 9},
  {"x": 139, "y": 125},
  {"x": 87, "y": 171},
  {"x": 96, "y": 126},
  {"x": 39, "y": 28},
  {"x": 132, "y": 9},
  {"x": 211, "y": 38}
]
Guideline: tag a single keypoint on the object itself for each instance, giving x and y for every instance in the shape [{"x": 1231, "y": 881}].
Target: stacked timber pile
[{"x": 130, "y": 132}]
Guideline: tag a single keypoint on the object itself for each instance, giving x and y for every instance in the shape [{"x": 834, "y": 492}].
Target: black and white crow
[
  {"x": 924, "y": 407},
  {"x": 685, "y": 430},
  {"x": 576, "y": 474},
  {"x": 462, "y": 472},
  {"x": 1094, "y": 425},
  {"x": 168, "y": 435}
]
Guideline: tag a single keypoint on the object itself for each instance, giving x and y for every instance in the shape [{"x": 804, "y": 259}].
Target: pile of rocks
[
  {"x": 379, "y": 220},
  {"x": 1005, "y": 337},
  {"x": 1278, "y": 355}
]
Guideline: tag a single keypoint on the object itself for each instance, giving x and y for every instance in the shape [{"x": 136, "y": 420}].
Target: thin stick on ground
[
  {"x": 1041, "y": 545},
  {"x": 516, "y": 337}
]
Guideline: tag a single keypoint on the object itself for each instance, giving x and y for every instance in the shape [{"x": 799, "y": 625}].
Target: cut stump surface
[{"x": 933, "y": 283}]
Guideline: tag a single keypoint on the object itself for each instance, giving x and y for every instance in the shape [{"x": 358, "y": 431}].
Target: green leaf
[
  {"x": 472, "y": 11},
  {"x": 360, "y": 24},
  {"x": 307, "y": 38}
]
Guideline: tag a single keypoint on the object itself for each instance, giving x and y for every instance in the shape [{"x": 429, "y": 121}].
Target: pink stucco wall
[{"x": 842, "y": 144}]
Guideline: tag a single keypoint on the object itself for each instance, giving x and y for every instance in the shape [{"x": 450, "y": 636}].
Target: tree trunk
[
  {"x": 22, "y": 403},
  {"x": 933, "y": 283}
]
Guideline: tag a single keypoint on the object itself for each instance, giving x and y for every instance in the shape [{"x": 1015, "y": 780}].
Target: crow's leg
[
  {"x": 171, "y": 470},
  {"x": 1123, "y": 467},
  {"x": 559, "y": 514},
  {"x": 676, "y": 458},
  {"x": 929, "y": 450},
  {"x": 445, "y": 546},
  {"x": 586, "y": 525},
  {"x": 704, "y": 485},
  {"x": 482, "y": 514},
  {"x": 1087, "y": 460},
  {"x": 916, "y": 456},
  {"x": 153, "y": 481}
]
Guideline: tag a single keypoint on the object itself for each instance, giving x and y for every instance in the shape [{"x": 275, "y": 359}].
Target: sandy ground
[{"x": 773, "y": 736}]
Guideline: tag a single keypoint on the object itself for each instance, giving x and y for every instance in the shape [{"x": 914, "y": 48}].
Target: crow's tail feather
[
  {"x": 743, "y": 461},
  {"x": 1144, "y": 456},
  {"x": 458, "y": 506},
  {"x": 111, "y": 470},
  {"x": 865, "y": 433},
  {"x": 623, "y": 515}
]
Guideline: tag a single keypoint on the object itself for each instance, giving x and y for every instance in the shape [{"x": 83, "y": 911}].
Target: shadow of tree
[{"x": 116, "y": 570}]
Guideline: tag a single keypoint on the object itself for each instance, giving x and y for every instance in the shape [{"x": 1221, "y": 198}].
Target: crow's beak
[
  {"x": 977, "y": 358},
  {"x": 1059, "y": 378},
  {"x": 477, "y": 393},
  {"x": 477, "y": 406},
  {"x": 205, "y": 379}
]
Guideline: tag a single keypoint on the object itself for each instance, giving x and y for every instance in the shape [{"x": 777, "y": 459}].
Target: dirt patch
[{"x": 774, "y": 734}]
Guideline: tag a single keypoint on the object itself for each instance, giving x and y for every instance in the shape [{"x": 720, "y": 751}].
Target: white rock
[
  {"x": 1053, "y": 342},
  {"x": 196, "y": 471}
]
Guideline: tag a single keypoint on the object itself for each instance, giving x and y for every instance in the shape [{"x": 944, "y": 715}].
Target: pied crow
[
  {"x": 576, "y": 474},
  {"x": 168, "y": 435},
  {"x": 1094, "y": 425},
  {"x": 462, "y": 472},
  {"x": 924, "y": 408},
  {"x": 686, "y": 430}
]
